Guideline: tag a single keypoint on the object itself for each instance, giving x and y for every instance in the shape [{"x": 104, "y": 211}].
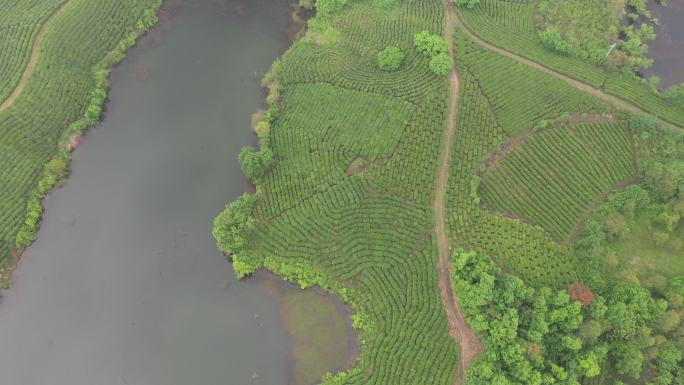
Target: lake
[
  {"x": 668, "y": 48},
  {"x": 125, "y": 284}
]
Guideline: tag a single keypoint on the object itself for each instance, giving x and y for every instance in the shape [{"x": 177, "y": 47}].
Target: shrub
[
  {"x": 328, "y": 8},
  {"x": 675, "y": 94},
  {"x": 262, "y": 129},
  {"x": 441, "y": 64},
  {"x": 232, "y": 225},
  {"x": 470, "y": 4},
  {"x": 390, "y": 59},
  {"x": 429, "y": 44},
  {"x": 554, "y": 41},
  {"x": 254, "y": 163}
]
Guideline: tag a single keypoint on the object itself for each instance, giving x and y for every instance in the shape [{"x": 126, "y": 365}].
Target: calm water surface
[
  {"x": 668, "y": 48},
  {"x": 124, "y": 285}
]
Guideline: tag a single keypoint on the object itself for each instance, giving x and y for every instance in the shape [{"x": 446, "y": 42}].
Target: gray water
[
  {"x": 125, "y": 285},
  {"x": 667, "y": 49}
]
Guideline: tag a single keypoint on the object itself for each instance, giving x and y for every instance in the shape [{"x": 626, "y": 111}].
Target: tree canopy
[{"x": 390, "y": 59}]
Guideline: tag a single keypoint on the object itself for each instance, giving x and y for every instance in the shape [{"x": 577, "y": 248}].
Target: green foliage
[
  {"x": 675, "y": 94},
  {"x": 262, "y": 129},
  {"x": 541, "y": 337},
  {"x": 325, "y": 9},
  {"x": 558, "y": 174},
  {"x": 390, "y": 59},
  {"x": 441, "y": 64},
  {"x": 583, "y": 28},
  {"x": 255, "y": 163},
  {"x": 629, "y": 360},
  {"x": 554, "y": 41},
  {"x": 306, "y": 4},
  {"x": 511, "y": 316},
  {"x": 430, "y": 45},
  {"x": 232, "y": 226},
  {"x": 467, "y": 3},
  {"x": 587, "y": 28},
  {"x": 668, "y": 366}
]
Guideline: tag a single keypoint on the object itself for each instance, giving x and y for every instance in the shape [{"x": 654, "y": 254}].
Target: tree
[
  {"x": 254, "y": 163},
  {"x": 262, "y": 129},
  {"x": 675, "y": 94},
  {"x": 232, "y": 225},
  {"x": 628, "y": 360},
  {"x": 470, "y": 4},
  {"x": 669, "y": 321},
  {"x": 662, "y": 180},
  {"x": 430, "y": 45},
  {"x": 667, "y": 365},
  {"x": 327, "y": 8},
  {"x": 629, "y": 308},
  {"x": 390, "y": 59},
  {"x": 441, "y": 64},
  {"x": 554, "y": 41},
  {"x": 615, "y": 226},
  {"x": 590, "y": 364},
  {"x": 590, "y": 331},
  {"x": 579, "y": 292}
]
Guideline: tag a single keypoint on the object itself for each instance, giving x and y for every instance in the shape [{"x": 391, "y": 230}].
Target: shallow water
[
  {"x": 125, "y": 285},
  {"x": 668, "y": 48}
]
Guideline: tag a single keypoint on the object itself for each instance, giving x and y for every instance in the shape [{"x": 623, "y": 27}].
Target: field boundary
[{"x": 33, "y": 58}]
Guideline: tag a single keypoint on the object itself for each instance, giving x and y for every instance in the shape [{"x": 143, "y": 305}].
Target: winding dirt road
[
  {"x": 470, "y": 344},
  {"x": 33, "y": 59}
]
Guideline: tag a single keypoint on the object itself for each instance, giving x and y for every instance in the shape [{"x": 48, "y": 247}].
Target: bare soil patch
[{"x": 358, "y": 165}]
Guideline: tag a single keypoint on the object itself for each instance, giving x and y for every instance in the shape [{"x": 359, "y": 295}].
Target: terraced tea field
[
  {"x": 553, "y": 178},
  {"x": 21, "y": 23},
  {"x": 69, "y": 80}
]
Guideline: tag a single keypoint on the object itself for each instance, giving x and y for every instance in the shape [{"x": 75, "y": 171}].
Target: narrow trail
[
  {"x": 598, "y": 93},
  {"x": 33, "y": 59},
  {"x": 469, "y": 343}
]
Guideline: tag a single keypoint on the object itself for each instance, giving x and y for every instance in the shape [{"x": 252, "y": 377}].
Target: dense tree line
[
  {"x": 645, "y": 308},
  {"x": 540, "y": 336}
]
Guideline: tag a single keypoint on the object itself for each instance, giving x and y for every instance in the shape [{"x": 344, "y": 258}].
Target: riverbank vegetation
[{"x": 63, "y": 96}]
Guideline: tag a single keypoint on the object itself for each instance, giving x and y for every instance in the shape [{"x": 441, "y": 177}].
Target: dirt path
[
  {"x": 614, "y": 100},
  {"x": 33, "y": 59},
  {"x": 470, "y": 344}
]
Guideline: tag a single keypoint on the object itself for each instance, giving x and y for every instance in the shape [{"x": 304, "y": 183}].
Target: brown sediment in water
[
  {"x": 297, "y": 27},
  {"x": 141, "y": 72},
  {"x": 8, "y": 266},
  {"x": 319, "y": 325}
]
